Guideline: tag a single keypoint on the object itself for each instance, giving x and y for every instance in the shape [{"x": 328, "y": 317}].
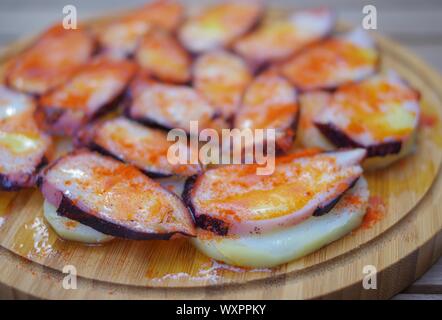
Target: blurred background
[{"x": 414, "y": 23}]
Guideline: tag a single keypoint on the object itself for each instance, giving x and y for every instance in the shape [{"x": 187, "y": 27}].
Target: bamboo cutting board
[{"x": 401, "y": 241}]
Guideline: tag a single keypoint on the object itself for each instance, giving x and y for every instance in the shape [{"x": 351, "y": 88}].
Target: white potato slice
[
  {"x": 72, "y": 230},
  {"x": 282, "y": 246},
  {"x": 390, "y": 115}
]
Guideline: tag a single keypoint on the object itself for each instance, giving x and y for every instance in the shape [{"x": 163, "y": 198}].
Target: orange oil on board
[{"x": 375, "y": 212}]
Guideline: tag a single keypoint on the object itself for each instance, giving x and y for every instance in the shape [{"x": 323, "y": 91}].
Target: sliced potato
[
  {"x": 113, "y": 198},
  {"x": 72, "y": 230},
  {"x": 24, "y": 148},
  {"x": 236, "y": 200},
  {"x": 380, "y": 114},
  {"x": 282, "y": 246}
]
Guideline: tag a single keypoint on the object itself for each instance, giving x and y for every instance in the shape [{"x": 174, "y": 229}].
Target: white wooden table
[{"x": 417, "y": 24}]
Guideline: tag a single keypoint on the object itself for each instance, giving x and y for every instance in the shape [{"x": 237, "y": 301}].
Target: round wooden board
[{"x": 402, "y": 245}]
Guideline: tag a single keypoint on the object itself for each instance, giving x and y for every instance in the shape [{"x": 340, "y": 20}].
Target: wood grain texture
[
  {"x": 418, "y": 297},
  {"x": 401, "y": 246},
  {"x": 430, "y": 283},
  {"x": 411, "y": 22}
]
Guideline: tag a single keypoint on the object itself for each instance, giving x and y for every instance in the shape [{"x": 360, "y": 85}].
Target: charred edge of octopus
[
  {"x": 203, "y": 221},
  {"x": 17, "y": 181},
  {"x": 151, "y": 174},
  {"x": 320, "y": 211},
  {"x": 151, "y": 123},
  {"x": 69, "y": 210},
  {"x": 340, "y": 139}
]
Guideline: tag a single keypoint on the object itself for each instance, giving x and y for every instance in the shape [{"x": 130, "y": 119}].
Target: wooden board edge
[{"x": 51, "y": 280}]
